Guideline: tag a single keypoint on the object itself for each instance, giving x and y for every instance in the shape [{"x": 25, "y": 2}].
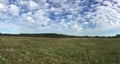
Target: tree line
[
  {"x": 50, "y": 35},
  {"x": 55, "y": 35}
]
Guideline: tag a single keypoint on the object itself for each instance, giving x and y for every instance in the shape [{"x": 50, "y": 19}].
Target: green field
[{"x": 35, "y": 50}]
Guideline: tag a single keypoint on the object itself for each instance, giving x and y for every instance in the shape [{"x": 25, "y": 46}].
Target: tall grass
[{"x": 28, "y": 50}]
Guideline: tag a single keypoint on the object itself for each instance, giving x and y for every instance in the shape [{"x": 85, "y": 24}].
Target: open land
[{"x": 38, "y": 50}]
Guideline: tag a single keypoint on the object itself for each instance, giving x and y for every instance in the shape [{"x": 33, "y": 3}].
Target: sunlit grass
[{"x": 35, "y": 50}]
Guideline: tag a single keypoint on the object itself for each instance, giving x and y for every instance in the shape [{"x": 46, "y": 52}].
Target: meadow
[{"x": 37, "y": 50}]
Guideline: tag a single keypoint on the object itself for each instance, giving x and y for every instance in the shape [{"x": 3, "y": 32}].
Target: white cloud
[
  {"x": 99, "y": 0},
  {"x": 69, "y": 14},
  {"x": 64, "y": 23},
  {"x": 57, "y": 1},
  {"x": 105, "y": 18},
  {"x": 4, "y": 1},
  {"x": 77, "y": 27},
  {"x": 30, "y": 19},
  {"x": 7, "y": 26},
  {"x": 32, "y": 5},
  {"x": 13, "y": 9},
  {"x": 1, "y": 6},
  {"x": 39, "y": 18}
]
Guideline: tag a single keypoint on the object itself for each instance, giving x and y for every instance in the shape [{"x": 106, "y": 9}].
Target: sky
[{"x": 73, "y": 17}]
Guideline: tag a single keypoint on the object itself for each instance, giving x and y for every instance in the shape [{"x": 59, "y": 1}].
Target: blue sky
[{"x": 74, "y": 17}]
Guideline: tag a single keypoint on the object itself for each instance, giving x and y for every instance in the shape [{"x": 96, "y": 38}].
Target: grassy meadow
[{"x": 36, "y": 50}]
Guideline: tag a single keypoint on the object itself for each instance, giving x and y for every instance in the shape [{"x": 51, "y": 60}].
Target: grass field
[{"x": 35, "y": 50}]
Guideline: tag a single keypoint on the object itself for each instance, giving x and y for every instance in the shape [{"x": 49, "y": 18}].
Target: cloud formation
[{"x": 78, "y": 17}]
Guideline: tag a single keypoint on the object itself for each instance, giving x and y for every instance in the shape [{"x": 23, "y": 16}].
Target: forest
[{"x": 55, "y": 35}]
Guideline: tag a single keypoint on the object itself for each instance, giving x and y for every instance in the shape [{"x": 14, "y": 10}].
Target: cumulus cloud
[
  {"x": 39, "y": 17},
  {"x": 1, "y": 6},
  {"x": 13, "y": 9},
  {"x": 66, "y": 15},
  {"x": 32, "y": 5},
  {"x": 106, "y": 17}
]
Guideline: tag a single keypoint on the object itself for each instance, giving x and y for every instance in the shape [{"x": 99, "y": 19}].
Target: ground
[{"x": 36, "y": 50}]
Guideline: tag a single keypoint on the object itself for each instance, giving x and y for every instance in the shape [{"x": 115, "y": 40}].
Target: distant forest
[{"x": 54, "y": 35}]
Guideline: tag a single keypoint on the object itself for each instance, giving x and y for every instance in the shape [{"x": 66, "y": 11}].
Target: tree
[{"x": 118, "y": 36}]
